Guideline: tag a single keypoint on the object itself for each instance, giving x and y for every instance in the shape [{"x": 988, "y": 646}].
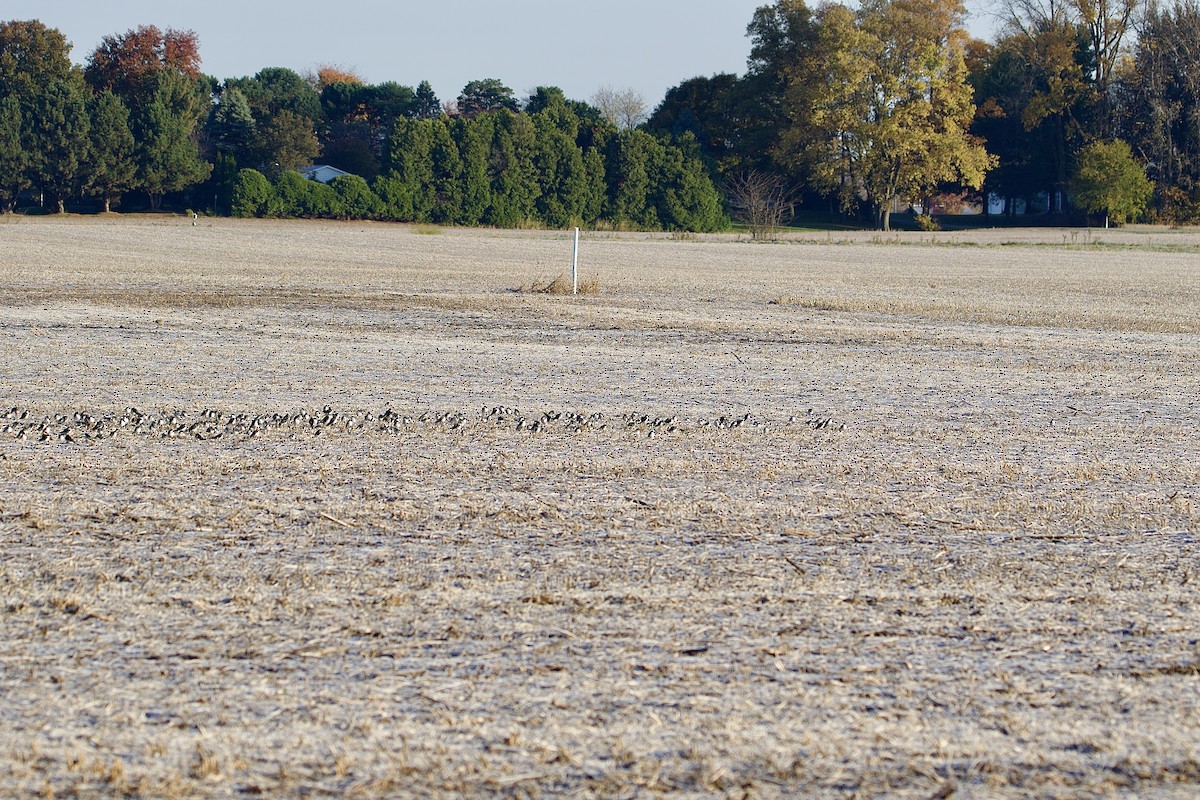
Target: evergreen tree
[
  {"x": 276, "y": 89},
  {"x": 704, "y": 107},
  {"x": 514, "y": 188},
  {"x": 447, "y": 174},
  {"x": 409, "y": 191},
  {"x": 561, "y": 174},
  {"x": 32, "y": 57},
  {"x": 384, "y": 103},
  {"x": 630, "y": 181},
  {"x": 14, "y": 162},
  {"x": 358, "y": 119},
  {"x": 112, "y": 161},
  {"x": 474, "y": 138},
  {"x": 232, "y": 128},
  {"x": 224, "y": 179},
  {"x": 666, "y": 176},
  {"x": 395, "y": 202},
  {"x": 286, "y": 110},
  {"x": 297, "y": 196},
  {"x": 698, "y": 193},
  {"x": 284, "y": 141},
  {"x": 425, "y": 104},
  {"x": 323, "y": 201},
  {"x": 562, "y": 178},
  {"x": 560, "y": 114},
  {"x": 487, "y": 95},
  {"x": 595, "y": 198},
  {"x": 684, "y": 196},
  {"x": 543, "y": 97},
  {"x": 59, "y": 139},
  {"x": 169, "y": 159},
  {"x": 353, "y": 149}
]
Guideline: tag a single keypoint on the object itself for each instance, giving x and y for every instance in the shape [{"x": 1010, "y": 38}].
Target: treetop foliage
[
  {"x": 483, "y": 96},
  {"x": 865, "y": 109},
  {"x": 31, "y": 56},
  {"x": 276, "y": 89},
  {"x": 129, "y": 63},
  {"x": 622, "y": 108},
  {"x": 329, "y": 74},
  {"x": 427, "y": 104}
]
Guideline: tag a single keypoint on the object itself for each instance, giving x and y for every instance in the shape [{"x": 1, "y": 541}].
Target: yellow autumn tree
[
  {"x": 329, "y": 74},
  {"x": 880, "y": 106}
]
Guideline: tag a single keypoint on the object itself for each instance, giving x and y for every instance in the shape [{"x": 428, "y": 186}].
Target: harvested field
[{"x": 299, "y": 509}]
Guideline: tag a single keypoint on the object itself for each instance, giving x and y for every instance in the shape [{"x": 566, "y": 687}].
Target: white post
[{"x": 575, "y": 265}]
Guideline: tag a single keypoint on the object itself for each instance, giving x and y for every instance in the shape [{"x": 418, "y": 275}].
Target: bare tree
[
  {"x": 624, "y": 108},
  {"x": 1109, "y": 25},
  {"x": 764, "y": 202}
]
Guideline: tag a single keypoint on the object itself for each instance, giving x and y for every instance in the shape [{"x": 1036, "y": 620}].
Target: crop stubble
[{"x": 950, "y": 550}]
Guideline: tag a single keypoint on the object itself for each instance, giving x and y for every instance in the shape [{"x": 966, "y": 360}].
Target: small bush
[
  {"x": 561, "y": 285},
  {"x": 590, "y": 285},
  {"x": 926, "y": 222}
]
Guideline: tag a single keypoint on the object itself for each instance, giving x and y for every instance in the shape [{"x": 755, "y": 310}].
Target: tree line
[
  {"x": 141, "y": 120},
  {"x": 1076, "y": 106},
  {"x": 553, "y": 164}
]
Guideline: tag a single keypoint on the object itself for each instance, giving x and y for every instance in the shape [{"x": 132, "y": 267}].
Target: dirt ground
[{"x": 301, "y": 509}]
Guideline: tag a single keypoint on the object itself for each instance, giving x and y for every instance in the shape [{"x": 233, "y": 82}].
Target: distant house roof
[{"x": 321, "y": 172}]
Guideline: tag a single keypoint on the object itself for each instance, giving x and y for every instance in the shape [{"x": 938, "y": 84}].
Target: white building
[{"x": 321, "y": 172}]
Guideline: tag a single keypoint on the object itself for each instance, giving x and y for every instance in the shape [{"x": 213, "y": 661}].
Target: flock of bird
[{"x": 210, "y": 424}]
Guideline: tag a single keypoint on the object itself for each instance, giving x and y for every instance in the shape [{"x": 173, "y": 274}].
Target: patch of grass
[
  {"x": 1101, "y": 245},
  {"x": 427, "y": 230},
  {"x": 1186, "y": 669},
  {"x": 608, "y": 226}
]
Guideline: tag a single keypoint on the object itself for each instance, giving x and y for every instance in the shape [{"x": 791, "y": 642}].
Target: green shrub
[
  {"x": 253, "y": 195},
  {"x": 395, "y": 197},
  {"x": 324, "y": 201},
  {"x": 293, "y": 195},
  {"x": 357, "y": 199}
]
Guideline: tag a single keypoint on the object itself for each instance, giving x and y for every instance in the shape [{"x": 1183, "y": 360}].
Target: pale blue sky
[{"x": 649, "y": 45}]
